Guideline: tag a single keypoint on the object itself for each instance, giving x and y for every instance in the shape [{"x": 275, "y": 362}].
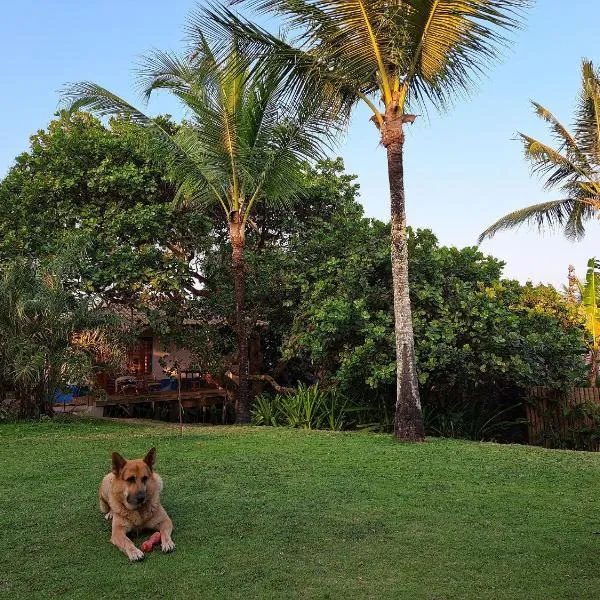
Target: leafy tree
[
  {"x": 572, "y": 166},
  {"x": 394, "y": 57},
  {"x": 241, "y": 145},
  {"x": 102, "y": 189}
]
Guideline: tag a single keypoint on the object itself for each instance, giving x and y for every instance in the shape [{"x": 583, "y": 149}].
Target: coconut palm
[
  {"x": 573, "y": 166},
  {"x": 240, "y": 145},
  {"x": 395, "y": 56}
]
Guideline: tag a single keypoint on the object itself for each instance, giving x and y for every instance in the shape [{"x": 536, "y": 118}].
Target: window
[{"x": 139, "y": 357}]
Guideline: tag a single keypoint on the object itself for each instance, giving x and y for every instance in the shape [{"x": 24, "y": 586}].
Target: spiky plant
[
  {"x": 395, "y": 56},
  {"x": 240, "y": 145},
  {"x": 573, "y": 167}
]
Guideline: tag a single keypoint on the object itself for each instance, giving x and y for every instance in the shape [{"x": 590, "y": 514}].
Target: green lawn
[{"x": 276, "y": 513}]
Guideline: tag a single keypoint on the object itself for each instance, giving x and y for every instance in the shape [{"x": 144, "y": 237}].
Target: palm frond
[
  {"x": 431, "y": 50},
  {"x": 89, "y": 96},
  {"x": 450, "y": 43},
  {"x": 573, "y": 167},
  {"x": 550, "y": 163},
  {"x": 304, "y": 71},
  {"x": 587, "y": 123},
  {"x": 567, "y": 142},
  {"x": 164, "y": 70},
  {"x": 100, "y": 101},
  {"x": 247, "y": 131},
  {"x": 567, "y": 213}
]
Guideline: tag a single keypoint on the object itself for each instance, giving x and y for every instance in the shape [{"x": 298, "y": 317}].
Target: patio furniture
[
  {"x": 127, "y": 384},
  {"x": 149, "y": 384}
]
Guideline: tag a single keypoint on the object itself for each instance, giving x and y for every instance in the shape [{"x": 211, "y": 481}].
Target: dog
[{"x": 130, "y": 497}]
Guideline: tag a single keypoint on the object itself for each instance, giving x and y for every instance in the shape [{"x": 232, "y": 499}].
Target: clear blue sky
[{"x": 463, "y": 169}]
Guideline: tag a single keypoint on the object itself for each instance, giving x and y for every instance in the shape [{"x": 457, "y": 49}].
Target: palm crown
[
  {"x": 239, "y": 143},
  {"x": 573, "y": 166},
  {"x": 407, "y": 52}
]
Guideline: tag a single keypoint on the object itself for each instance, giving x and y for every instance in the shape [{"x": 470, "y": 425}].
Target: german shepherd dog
[{"x": 130, "y": 497}]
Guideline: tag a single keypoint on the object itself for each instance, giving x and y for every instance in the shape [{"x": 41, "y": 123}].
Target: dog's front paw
[
  {"x": 135, "y": 554},
  {"x": 167, "y": 545},
  {"x": 108, "y": 516}
]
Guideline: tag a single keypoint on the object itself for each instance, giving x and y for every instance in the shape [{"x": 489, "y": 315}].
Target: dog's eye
[
  {"x": 144, "y": 479},
  {"x": 131, "y": 479}
]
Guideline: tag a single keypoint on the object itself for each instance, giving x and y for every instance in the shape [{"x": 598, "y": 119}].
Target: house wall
[{"x": 171, "y": 355}]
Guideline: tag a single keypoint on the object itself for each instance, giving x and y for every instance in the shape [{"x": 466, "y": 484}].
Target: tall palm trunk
[
  {"x": 238, "y": 241},
  {"x": 408, "y": 422}
]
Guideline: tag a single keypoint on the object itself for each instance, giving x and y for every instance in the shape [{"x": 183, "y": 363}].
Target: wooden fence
[{"x": 558, "y": 419}]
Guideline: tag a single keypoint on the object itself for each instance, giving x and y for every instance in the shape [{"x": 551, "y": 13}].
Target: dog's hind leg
[
  {"x": 104, "y": 495},
  {"x": 105, "y": 509}
]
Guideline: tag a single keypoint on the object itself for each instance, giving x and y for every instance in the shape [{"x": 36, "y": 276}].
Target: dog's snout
[{"x": 136, "y": 499}]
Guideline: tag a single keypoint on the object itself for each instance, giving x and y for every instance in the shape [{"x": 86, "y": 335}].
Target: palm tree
[
  {"x": 573, "y": 167},
  {"x": 395, "y": 56},
  {"x": 239, "y": 145}
]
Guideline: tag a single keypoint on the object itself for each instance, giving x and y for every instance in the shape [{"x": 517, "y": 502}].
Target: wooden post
[{"x": 179, "y": 401}]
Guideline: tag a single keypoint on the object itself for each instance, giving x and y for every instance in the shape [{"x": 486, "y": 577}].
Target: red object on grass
[{"x": 152, "y": 541}]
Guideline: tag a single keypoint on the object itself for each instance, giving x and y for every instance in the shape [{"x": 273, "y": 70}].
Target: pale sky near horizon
[{"x": 463, "y": 169}]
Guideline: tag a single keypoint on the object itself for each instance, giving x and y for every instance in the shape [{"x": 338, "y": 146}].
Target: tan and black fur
[{"x": 130, "y": 497}]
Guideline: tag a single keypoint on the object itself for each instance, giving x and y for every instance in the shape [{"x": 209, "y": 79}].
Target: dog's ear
[
  {"x": 150, "y": 458},
  {"x": 118, "y": 462}
]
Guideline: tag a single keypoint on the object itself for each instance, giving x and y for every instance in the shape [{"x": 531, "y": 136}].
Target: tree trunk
[
  {"x": 236, "y": 228},
  {"x": 593, "y": 367},
  {"x": 27, "y": 403},
  {"x": 255, "y": 361},
  {"x": 408, "y": 421}
]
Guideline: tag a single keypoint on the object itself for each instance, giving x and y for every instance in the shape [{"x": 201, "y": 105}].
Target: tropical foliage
[
  {"x": 588, "y": 303},
  {"x": 49, "y": 337},
  {"x": 395, "y": 57},
  {"x": 320, "y": 281},
  {"x": 480, "y": 339},
  {"x": 572, "y": 166},
  {"x": 320, "y": 309}
]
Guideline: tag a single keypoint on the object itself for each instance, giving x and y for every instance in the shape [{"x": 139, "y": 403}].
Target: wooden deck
[{"x": 202, "y": 397}]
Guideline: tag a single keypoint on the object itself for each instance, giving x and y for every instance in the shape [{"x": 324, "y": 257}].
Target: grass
[{"x": 279, "y": 513}]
